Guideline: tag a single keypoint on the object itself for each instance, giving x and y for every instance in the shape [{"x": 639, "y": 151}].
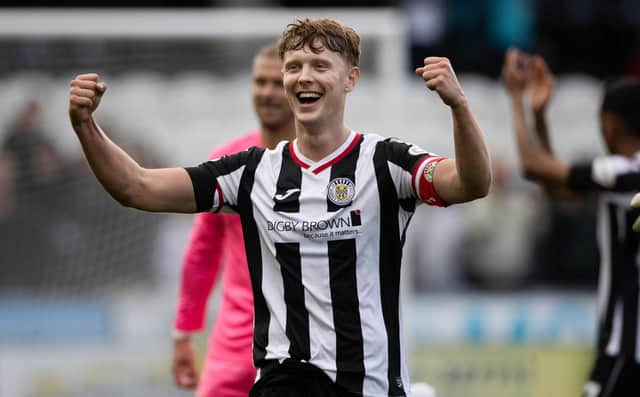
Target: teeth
[{"x": 308, "y": 95}]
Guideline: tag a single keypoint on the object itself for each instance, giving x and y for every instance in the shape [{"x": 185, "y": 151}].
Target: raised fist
[
  {"x": 439, "y": 76},
  {"x": 84, "y": 97}
]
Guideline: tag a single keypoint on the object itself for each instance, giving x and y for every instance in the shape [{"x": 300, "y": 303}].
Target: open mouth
[{"x": 306, "y": 98}]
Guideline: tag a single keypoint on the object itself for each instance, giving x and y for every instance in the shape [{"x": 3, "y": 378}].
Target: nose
[
  {"x": 305, "y": 74},
  {"x": 264, "y": 91},
  {"x": 270, "y": 90}
]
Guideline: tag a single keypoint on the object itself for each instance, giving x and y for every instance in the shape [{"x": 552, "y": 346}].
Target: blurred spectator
[
  {"x": 7, "y": 181},
  {"x": 339, "y": 3},
  {"x": 472, "y": 33},
  {"x": 38, "y": 178},
  {"x": 511, "y": 23},
  {"x": 500, "y": 233},
  {"x": 22, "y": 141},
  {"x": 596, "y": 37},
  {"x": 57, "y": 229},
  {"x": 9, "y": 222}
]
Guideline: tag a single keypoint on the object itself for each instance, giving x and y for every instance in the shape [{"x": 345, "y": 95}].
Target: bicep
[
  {"x": 447, "y": 183},
  {"x": 168, "y": 190}
]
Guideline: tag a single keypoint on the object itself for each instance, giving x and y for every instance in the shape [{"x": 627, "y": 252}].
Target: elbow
[
  {"x": 482, "y": 189},
  {"x": 529, "y": 164},
  {"x": 484, "y": 186},
  {"x": 125, "y": 199},
  {"x": 478, "y": 189},
  {"x": 528, "y": 170}
]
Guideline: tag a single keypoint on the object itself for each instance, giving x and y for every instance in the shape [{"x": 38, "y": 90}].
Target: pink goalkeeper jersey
[{"x": 216, "y": 240}]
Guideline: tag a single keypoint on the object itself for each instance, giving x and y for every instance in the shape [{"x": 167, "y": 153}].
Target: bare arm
[
  {"x": 541, "y": 88},
  {"x": 468, "y": 176},
  {"x": 166, "y": 190},
  {"x": 542, "y": 131},
  {"x": 536, "y": 163}
]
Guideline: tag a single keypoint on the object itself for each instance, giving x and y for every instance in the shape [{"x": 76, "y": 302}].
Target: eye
[{"x": 292, "y": 67}]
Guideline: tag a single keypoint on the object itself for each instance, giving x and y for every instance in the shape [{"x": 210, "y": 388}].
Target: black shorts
[
  {"x": 294, "y": 379},
  {"x": 613, "y": 377}
]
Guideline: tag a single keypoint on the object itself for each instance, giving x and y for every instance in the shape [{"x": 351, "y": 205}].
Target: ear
[{"x": 352, "y": 79}]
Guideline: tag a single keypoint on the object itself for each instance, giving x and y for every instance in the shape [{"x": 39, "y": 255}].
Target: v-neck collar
[{"x": 329, "y": 160}]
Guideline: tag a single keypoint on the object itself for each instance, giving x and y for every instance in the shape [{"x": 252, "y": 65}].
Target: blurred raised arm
[
  {"x": 536, "y": 163},
  {"x": 541, "y": 83}
]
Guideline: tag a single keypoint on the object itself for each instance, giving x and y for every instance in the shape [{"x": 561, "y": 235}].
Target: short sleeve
[
  {"x": 412, "y": 169},
  {"x": 216, "y": 182},
  {"x": 609, "y": 173}
]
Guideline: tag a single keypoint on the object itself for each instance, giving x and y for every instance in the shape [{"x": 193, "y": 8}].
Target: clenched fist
[
  {"x": 440, "y": 77},
  {"x": 84, "y": 97}
]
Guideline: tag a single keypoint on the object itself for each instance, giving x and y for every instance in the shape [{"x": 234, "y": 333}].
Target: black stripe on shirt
[
  {"x": 287, "y": 194},
  {"x": 398, "y": 153},
  {"x": 254, "y": 258},
  {"x": 297, "y": 328},
  {"x": 346, "y": 314},
  {"x": 390, "y": 247},
  {"x": 203, "y": 177}
]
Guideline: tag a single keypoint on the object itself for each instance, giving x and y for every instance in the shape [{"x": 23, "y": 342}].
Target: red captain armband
[{"x": 422, "y": 179}]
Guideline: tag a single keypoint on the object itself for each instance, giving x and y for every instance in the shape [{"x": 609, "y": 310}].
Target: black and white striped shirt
[
  {"x": 616, "y": 178},
  {"x": 324, "y": 244}
]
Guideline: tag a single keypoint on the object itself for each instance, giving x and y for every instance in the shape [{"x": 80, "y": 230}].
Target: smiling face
[
  {"x": 269, "y": 100},
  {"x": 316, "y": 84}
]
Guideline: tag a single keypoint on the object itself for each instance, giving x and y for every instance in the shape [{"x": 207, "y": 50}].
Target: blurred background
[{"x": 499, "y": 294}]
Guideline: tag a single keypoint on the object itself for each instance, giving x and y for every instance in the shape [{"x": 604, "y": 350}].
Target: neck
[
  {"x": 317, "y": 143},
  {"x": 271, "y": 135},
  {"x": 628, "y": 147}
]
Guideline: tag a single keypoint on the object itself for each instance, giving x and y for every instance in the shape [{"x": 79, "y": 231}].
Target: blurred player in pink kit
[{"x": 216, "y": 240}]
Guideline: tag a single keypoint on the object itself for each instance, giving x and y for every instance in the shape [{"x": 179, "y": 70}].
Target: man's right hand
[
  {"x": 84, "y": 97},
  {"x": 184, "y": 367}
]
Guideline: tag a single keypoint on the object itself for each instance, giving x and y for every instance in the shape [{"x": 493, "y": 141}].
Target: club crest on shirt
[{"x": 340, "y": 191}]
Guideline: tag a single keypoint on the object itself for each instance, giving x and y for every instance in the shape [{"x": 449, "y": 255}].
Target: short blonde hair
[
  {"x": 269, "y": 50},
  {"x": 321, "y": 33}
]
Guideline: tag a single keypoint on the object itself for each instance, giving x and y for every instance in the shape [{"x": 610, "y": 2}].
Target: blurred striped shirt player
[{"x": 616, "y": 178}]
